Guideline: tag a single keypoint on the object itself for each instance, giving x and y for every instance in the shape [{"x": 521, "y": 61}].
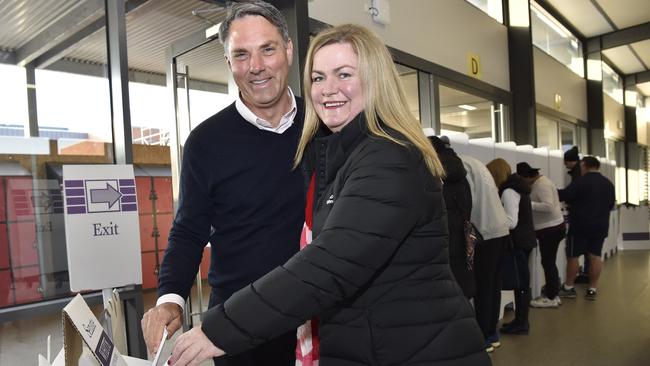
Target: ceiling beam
[
  {"x": 70, "y": 43},
  {"x": 58, "y": 31},
  {"x": 639, "y": 77},
  {"x": 7, "y": 57},
  {"x": 622, "y": 37}
]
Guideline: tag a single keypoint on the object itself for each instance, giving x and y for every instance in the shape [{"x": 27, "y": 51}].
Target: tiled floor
[{"x": 614, "y": 330}]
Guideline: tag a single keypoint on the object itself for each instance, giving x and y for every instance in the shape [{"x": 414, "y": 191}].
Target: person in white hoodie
[
  {"x": 549, "y": 230},
  {"x": 490, "y": 219}
]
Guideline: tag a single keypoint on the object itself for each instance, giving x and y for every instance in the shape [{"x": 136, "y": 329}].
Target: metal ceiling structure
[
  {"x": 618, "y": 28},
  {"x": 51, "y": 34}
]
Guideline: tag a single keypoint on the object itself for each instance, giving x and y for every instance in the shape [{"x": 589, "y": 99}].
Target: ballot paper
[{"x": 157, "y": 360}]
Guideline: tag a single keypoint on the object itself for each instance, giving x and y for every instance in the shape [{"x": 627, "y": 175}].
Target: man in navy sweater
[
  {"x": 238, "y": 190},
  {"x": 592, "y": 198}
]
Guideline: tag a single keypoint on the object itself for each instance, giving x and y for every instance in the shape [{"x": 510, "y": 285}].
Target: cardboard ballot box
[{"x": 81, "y": 329}]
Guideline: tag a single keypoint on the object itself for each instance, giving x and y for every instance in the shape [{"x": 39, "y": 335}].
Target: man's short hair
[
  {"x": 591, "y": 162},
  {"x": 259, "y": 8}
]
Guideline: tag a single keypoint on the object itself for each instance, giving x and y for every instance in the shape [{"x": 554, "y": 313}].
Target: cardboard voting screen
[{"x": 80, "y": 326}]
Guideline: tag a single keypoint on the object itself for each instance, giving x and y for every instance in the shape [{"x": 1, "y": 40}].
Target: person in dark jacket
[
  {"x": 458, "y": 200},
  {"x": 515, "y": 196},
  {"x": 376, "y": 275},
  {"x": 592, "y": 198},
  {"x": 571, "y": 162}
]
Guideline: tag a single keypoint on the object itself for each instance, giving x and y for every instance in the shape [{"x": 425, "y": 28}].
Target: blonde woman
[
  {"x": 376, "y": 278},
  {"x": 515, "y": 196}
]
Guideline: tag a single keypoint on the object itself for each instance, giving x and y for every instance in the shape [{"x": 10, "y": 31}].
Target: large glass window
[
  {"x": 493, "y": 8},
  {"x": 612, "y": 84},
  {"x": 52, "y": 114},
  {"x": 467, "y": 113},
  {"x": 409, "y": 79},
  {"x": 552, "y": 37},
  {"x": 547, "y": 132}
]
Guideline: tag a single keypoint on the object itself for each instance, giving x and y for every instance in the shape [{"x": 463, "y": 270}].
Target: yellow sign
[
  {"x": 558, "y": 101},
  {"x": 474, "y": 65}
]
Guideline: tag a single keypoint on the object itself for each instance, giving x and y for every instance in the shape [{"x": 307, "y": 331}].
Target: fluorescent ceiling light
[{"x": 467, "y": 107}]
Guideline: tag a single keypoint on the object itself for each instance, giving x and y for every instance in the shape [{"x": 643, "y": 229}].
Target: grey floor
[{"x": 612, "y": 331}]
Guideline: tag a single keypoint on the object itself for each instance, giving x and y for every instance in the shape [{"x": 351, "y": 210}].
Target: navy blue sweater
[
  {"x": 591, "y": 197},
  {"x": 238, "y": 191}
]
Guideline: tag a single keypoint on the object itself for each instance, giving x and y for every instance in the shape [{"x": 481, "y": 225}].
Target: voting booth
[{"x": 551, "y": 165}]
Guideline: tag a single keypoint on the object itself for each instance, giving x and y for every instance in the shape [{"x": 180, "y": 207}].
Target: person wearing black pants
[
  {"x": 549, "y": 240},
  {"x": 488, "y": 263},
  {"x": 515, "y": 196},
  {"x": 490, "y": 219},
  {"x": 549, "y": 230}
]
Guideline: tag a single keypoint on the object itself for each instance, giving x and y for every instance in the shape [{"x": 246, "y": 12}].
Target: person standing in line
[
  {"x": 490, "y": 219},
  {"x": 572, "y": 163},
  {"x": 592, "y": 198},
  {"x": 549, "y": 230},
  {"x": 458, "y": 201},
  {"x": 376, "y": 275},
  {"x": 515, "y": 197},
  {"x": 237, "y": 187}
]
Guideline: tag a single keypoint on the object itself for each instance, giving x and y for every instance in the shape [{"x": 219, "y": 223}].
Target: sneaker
[
  {"x": 559, "y": 301},
  {"x": 489, "y": 348},
  {"x": 591, "y": 294},
  {"x": 494, "y": 340},
  {"x": 544, "y": 302},
  {"x": 569, "y": 294}
]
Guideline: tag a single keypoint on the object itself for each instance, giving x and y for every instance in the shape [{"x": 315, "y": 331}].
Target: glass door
[{"x": 198, "y": 81}]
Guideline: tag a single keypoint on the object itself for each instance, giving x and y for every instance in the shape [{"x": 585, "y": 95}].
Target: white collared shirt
[{"x": 285, "y": 122}]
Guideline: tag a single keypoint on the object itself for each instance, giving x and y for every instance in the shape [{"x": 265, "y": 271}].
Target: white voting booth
[{"x": 551, "y": 164}]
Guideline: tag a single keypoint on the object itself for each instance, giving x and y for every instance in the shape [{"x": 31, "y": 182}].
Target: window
[
  {"x": 552, "y": 37},
  {"x": 467, "y": 113},
  {"x": 409, "y": 78},
  {"x": 493, "y": 8},
  {"x": 547, "y": 134},
  {"x": 612, "y": 84}
]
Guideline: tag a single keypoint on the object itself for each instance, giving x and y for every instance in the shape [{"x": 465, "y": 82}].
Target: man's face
[
  {"x": 259, "y": 62},
  {"x": 583, "y": 168}
]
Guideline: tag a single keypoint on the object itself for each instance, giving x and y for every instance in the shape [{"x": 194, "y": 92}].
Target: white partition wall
[
  {"x": 459, "y": 142},
  {"x": 508, "y": 152},
  {"x": 482, "y": 149}
]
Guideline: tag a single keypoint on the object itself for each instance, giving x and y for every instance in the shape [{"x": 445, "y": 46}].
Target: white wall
[
  {"x": 440, "y": 31},
  {"x": 551, "y": 77},
  {"x": 614, "y": 118}
]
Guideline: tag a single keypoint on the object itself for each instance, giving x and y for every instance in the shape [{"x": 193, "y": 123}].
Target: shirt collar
[{"x": 285, "y": 122}]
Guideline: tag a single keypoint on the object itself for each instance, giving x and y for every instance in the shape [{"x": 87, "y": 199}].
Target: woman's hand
[{"x": 192, "y": 348}]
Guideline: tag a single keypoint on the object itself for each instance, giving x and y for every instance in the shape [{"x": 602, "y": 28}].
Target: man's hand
[
  {"x": 192, "y": 348},
  {"x": 168, "y": 315}
]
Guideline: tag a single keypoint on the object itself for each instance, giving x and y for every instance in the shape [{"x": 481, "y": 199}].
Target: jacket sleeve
[
  {"x": 569, "y": 194},
  {"x": 376, "y": 209},
  {"x": 191, "y": 228},
  {"x": 545, "y": 198}
]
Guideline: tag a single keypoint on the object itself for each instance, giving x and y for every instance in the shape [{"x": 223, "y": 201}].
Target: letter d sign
[{"x": 474, "y": 65}]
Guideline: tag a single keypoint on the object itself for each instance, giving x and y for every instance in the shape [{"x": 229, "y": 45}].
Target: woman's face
[{"x": 336, "y": 90}]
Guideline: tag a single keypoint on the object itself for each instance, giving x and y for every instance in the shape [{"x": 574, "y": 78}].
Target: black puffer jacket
[
  {"x": 523, "y": 235},
  {"x": 458, "y": 200},
  {"x": 376, "y": 273}
]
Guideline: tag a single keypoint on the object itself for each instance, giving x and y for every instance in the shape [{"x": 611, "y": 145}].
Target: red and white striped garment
[{"x": 307, "y": 348}]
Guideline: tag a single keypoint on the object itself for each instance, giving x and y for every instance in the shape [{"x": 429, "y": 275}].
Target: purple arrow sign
[{"x": 109, "y": 195}]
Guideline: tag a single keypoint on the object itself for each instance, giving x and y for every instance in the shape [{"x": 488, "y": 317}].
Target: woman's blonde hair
[
  {"x": 500, "y": 170},
  {"x": 384, "y": 96}
]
